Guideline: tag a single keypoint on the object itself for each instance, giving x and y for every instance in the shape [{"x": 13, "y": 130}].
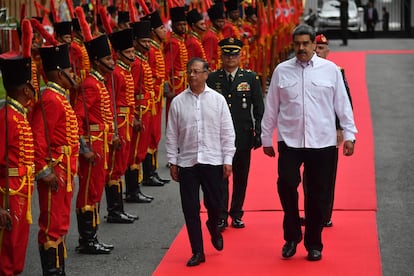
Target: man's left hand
[
  {"x": 348, "y": 148},
  {"x": 226, "y": 170},
  {"x": 257, "y": 141}
]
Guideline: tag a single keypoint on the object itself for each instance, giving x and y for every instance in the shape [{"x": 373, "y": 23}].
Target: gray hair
[{"x": 304, "y": 29}]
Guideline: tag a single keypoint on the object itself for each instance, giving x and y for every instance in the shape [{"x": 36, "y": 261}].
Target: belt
[{"x": 26, "y": 172}]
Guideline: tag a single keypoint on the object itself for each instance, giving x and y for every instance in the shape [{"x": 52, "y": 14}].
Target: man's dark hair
[
  {"x": 197, "y": 59},
  {"x": 304, "y": 29}
]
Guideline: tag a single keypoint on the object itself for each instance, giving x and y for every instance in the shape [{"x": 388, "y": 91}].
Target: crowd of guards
[{"x": 87, "y": 101}]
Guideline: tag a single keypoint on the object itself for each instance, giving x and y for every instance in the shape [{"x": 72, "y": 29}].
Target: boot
[
  {"x": 95, "y": 238},
  {"x": 148, "y": 170},
  {"x": 50, "y": 262},
  {"x": 133, "y": 190},
  {"x": 115, "y": 205},
  {"x": 154, "y": 163},
  {"x": 121, "y": 203},
  {"x": 88, "y": 242},
  {"x": 62, "y": 254},
  {"x": 131, "y": 181}
]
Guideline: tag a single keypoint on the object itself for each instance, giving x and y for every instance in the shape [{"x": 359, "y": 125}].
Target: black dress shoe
[
  {"x": 137, "y": 198},
  {"x": 145, "y": 195},
  {"x": 196, "y": 259},
  {"x": 152, "y": 181},
  {"x": 217, "y": 241},
  {"x": 328, "y": 223},
  {"x": 222, "y": 224},
  {"x": 118, "y": 218},
  {"x": 237, "y": 223},
  {"x": 92, "y": 248},
  {"x": 165, "y": 181},
  {"x": 134, "y": 217},
  {"x": 216, "y": 237},
  {"x": 314, "y": 255},
  {"x": 289, "y": 249}
]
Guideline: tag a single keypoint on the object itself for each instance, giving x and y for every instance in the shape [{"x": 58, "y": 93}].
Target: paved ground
[{"x": 141, "y": 246}]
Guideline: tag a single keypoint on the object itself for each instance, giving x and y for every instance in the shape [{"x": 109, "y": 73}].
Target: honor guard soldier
[
  {"x": 193, "y": 40},
  {"x": 144, "y": 112},
  {"x": 123, "y": 20},
  {"x": 56, "y": 155},
  {"x": 176, "y": 55},
  {"x": 63, "y": 31},
  {"x": 95, "y": 119},
  {"x": 249, "y": 38},
  {"x": 243, "y": 93},
  {"x": 16, "y": 157},
  {"x": 213, "y": 35},
  {"x": 121, "y": 84},
  {"x": 233, "y": 23},
  {"x": 157, "y": 63}
]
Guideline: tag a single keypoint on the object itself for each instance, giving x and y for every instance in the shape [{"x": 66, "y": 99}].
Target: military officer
[{"x": 243, "y": 93}]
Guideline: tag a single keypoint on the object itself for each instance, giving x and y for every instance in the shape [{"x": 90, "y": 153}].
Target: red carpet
[
  {"x": 351, "y": 246},
  {"x": 256, "y": 249}
]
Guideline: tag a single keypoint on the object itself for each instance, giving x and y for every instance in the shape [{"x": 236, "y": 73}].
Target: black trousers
[
  {"x": 319, "y": 165},
  {"x": 332, "y": 193},
  {"x": 209, "y": 177},
  {"x": 240, "y": 167}
]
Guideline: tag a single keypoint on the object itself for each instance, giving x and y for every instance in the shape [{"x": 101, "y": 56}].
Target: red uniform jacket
[
  {"x": 195, "y": 46},
  {"x": 176, "y": 59},
  {"x": 56, "y": 131},
  {"x": 211, "y": 48},
  {"x": 20, "y": 152}
]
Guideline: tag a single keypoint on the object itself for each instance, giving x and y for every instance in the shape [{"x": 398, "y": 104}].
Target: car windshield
[
  {"x": 333, "y": 6},
  {"x": 330, "y": 6}
]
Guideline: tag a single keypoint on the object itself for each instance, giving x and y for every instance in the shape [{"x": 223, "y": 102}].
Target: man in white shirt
[
  {"x": 200, "y": 144},
  {"x": 304, "y": 95}
]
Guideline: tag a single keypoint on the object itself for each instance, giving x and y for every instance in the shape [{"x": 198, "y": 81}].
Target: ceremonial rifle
[{"x": 7, "y": 192}]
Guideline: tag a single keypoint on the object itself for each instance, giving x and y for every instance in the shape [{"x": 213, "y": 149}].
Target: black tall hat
[
  {"x": 15, "y": 70},
  {"x": 232, "y": 5},
  {"x": 75, "y": 25},
  {"x": 216, "y": 12},
  {"x": 177, "y": 14},
  {"x": 193, "y": 17},
  {"x": 249, "y": 11},
  {"x": 55, "y": 57},
  {"x": 98, "y": 47},
  {"x": 63, "y": 28},
  {"x": 123, "y": 17},
  {"x": 141, "y": 29},
  {"x": 112, "y": 9},
  {"x": 122, "y": 40},
  {"x": 155, "y": 19}
]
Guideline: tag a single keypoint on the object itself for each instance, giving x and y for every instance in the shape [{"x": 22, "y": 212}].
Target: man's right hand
[
  {"x": 89, "y": 156},
  {"x": 51, "y": 180},
  {"x": 174, "y": 172},
  {"x": 269, "y": 151},
  {"x": 5, "y": 218}
]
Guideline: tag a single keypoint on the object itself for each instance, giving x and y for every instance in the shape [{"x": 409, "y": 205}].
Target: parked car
[{"x": 328, "y": 17}]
